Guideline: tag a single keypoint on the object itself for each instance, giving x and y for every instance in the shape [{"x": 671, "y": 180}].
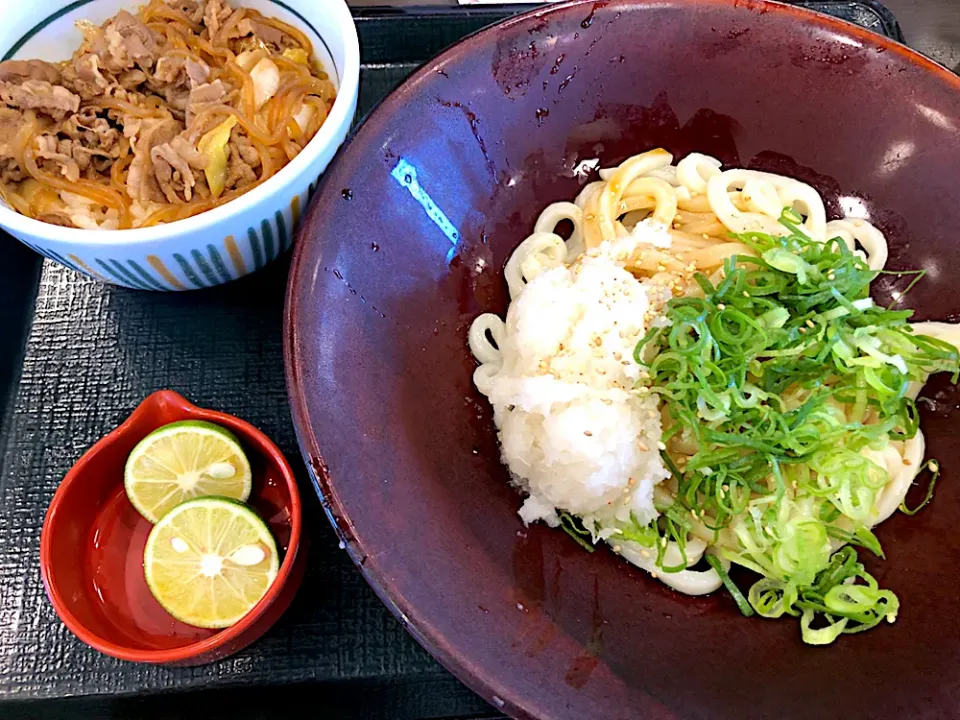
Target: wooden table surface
[{"x": 930, "y": 26}]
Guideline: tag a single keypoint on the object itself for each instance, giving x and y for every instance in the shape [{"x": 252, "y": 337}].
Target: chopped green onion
[
  {"x": 784, "y": 373},
  {"x": 573, "y": 526},
  {"x": 821, "y": 636},
  {"x": 934, "y": 467},
  {"x": 731, "y": 587}
]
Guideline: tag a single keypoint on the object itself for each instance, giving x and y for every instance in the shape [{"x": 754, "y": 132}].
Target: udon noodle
[
  {"x": 158, "y": 116},
  {"x": 701, "y": 211}
]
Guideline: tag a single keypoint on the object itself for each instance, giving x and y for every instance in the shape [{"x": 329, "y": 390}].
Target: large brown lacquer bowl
[{"x": 405, "y": 245}]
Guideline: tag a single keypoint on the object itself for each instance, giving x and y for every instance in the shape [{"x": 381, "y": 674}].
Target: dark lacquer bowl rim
[
  {"x": 208, "y": 647},
  {"x": 419, "y": 626}
]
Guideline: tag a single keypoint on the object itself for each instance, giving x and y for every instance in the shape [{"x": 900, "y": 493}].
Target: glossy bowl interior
[
  {"x": 224, "y": 243},
  {"x": 445, "y": 179},
  {"x": 92, "y": 543}
]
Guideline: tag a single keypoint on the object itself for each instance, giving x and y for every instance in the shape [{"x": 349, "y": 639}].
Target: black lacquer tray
[{"x": 77, "y": 356}]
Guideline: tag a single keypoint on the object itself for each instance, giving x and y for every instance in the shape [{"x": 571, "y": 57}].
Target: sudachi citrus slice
[
  {"x": 209, "y": 561},
  {"x": 185, "y": 460}
]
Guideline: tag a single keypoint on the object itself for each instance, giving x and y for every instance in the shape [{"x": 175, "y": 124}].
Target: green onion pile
[{"x": 776, "y": 380}]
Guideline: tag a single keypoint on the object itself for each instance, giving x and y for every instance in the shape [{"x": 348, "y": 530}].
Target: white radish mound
[{"x": 574, "y": 431}]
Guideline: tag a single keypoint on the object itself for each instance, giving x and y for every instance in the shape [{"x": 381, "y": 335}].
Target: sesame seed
[
  {"x": 626, "y": 490},
  {"x": 643, "y": 448},
  {"x": 721, "y": 306},
  {"x": 810, "y": 324},
  {"x": 663, "y": 541},
  {"x": 598, "y": 341},
  {"x": 631, "y": 482},
  {"x": 726, "y": 488},
  {"x": 617, "y": 548},
  {"x": 906, "y": 461},
  {"x": 746, "y": 294},
  {"x": 645, "y": 553},
  {"x": 652, "y": 413},
  {"x": 693, "y": 514},
  {"x": 653, "y": 575},
  {"x": 661, "y": 446},
  {"x": 626, "y": 500},
  {"x": 588, "y": 433},
  {"x": 721, "y": 494},
  {"x": 803, "y": 331}
]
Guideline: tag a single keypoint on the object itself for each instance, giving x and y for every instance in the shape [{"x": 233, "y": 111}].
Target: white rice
[
  {"x": 574, "y": 431},
  {"x": 86, "y": 214}
]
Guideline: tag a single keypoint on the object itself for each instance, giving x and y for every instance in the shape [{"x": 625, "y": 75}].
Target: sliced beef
[
  {"x": 127, "y": 43},
  {"x": 55, "y": 155},
  {"x": 131, "y": 79},
  {"x": 9, "y": 125},
  {"x": 239, "y": 172},
  {"x": 92, "y": 135},
  {"x": 72, "y": 157},
  {"x": 16, "y": 71},
  {"x": 142, "y": 183},
  {"x": 215, "y": 15},
  {"x": 179, "y": 70},
  {"x": 10, "y": 171},
  {"x": 83, "y": 76},
  {"x": 253, "y": 34},
  {"x": 175, "y": 77},
  {"x": 88, "y": 158},
  {"x": 203, "y": 96},
  {"x": 54, "y": 100},
  {"x": 244, "y": 147},
  {"x": 173, "y": 173},
  {"x": 192, "y": 10},
  {"x": 188, "y": 151},
  {"x": 131, "y": 125}
]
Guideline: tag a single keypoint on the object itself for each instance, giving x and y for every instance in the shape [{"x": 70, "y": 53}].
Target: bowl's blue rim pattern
[{"x": 218, "y": 265}]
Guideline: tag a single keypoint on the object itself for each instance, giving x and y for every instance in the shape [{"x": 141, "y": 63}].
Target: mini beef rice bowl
[{"x": 158, "y": 116}]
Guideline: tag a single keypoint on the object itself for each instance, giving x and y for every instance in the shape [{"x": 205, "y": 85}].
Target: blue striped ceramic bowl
[{"x": 229, "y": 241}]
